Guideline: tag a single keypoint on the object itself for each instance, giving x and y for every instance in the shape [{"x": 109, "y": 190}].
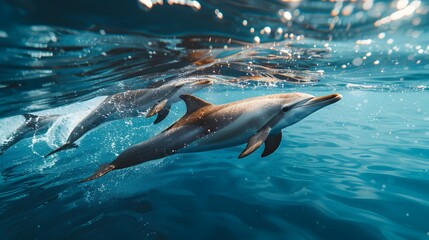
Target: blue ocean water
[{"x": 357, "y": 169}]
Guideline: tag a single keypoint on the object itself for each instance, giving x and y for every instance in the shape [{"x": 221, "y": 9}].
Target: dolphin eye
[{"x": 287, "y": 108}]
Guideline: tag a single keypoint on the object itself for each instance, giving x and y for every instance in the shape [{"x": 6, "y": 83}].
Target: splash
[{"x": 149, "y": 4}]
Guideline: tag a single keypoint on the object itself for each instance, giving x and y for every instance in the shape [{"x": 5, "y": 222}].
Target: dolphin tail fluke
[
  {"x": 102, "y": 170},
  {"x": 63, "y": 147}
]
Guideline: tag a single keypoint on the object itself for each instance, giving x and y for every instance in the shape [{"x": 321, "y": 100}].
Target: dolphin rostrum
[
  {"x": 33, "y": 125},
  {"x": 207, "y": 127},
  {"x": 132, "y": 104}
]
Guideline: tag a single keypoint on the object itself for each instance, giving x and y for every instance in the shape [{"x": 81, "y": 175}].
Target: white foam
[
  {"x": 73, "y": 114},
  {"x": 9, "y": 125},
  {"x": 57, "y": 134}
]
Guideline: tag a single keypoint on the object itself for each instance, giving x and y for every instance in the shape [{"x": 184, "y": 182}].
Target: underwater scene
[{"x": 204, "y": 119}]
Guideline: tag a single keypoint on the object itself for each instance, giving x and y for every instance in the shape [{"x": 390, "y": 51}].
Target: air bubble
[
  {"x": 357, "y": 61},
  {"x": 257, "y": 40},
  {"x": 219, "y": 15},
  {"x": 287, "y": 15}
]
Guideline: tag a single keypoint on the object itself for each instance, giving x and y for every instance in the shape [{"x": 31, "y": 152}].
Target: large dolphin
[
  {"x": 132, "y": 104},
  {"x": 33, "y": 125},
  {"x": 207, "y": 127}
]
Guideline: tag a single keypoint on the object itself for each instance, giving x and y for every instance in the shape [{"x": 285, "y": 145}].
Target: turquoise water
[{"x": 357, "y": 169}]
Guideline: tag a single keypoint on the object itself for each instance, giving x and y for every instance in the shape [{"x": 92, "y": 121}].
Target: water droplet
[
  {"x": 267, "y": 30},
  {"x": 296, "y": 12},
  {"x": 196, "y": 5},
  {"x": 219, "y": 15},
  {"x": 146, "y": 3},
  {"x": 400, "y": 4},
  {"x": 347, "y": 10},
  {"x": 3, "y": 34},
  {"x": 279, "y": 31},
  {"x": 257, "y": 40},
  {"x": 417, "y": 21},
  {"x": 357, "y": 61},
  {"x": 287, "y": 15}
]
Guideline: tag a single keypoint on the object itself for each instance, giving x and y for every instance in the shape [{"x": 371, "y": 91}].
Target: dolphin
[
  {"x": 207, "y": 127},
  {"x": 132, "y": 104},
  {"x": 33, "y": 125}
]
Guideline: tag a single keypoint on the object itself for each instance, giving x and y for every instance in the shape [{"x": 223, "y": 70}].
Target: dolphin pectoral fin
[
  {"x": 255, "y": 141},
  {"x": 162, "y": 114},
  {"x": 63, "y": 147},
  {"x": 102, "y": 170},
  {"x": 271, "y": 144},
  {"x": 157, "y": 108}
]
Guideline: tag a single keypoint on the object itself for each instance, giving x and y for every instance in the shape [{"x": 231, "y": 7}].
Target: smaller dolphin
[
  {"x": 132, "y": 104},
  {"x": 207, "y": 127},
  {"x": 33, "y": 125}
]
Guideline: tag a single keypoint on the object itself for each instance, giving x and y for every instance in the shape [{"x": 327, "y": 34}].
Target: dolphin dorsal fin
[
  {"x": 193, "y": 103},
  {"x": 29, "y": 116}
]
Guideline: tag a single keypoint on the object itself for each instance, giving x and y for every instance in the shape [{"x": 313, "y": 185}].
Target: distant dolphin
[
  {"x": 132, "y": 104},
  {"x": 207, "y": 127},
  {"x": 33, "y": 125}
]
